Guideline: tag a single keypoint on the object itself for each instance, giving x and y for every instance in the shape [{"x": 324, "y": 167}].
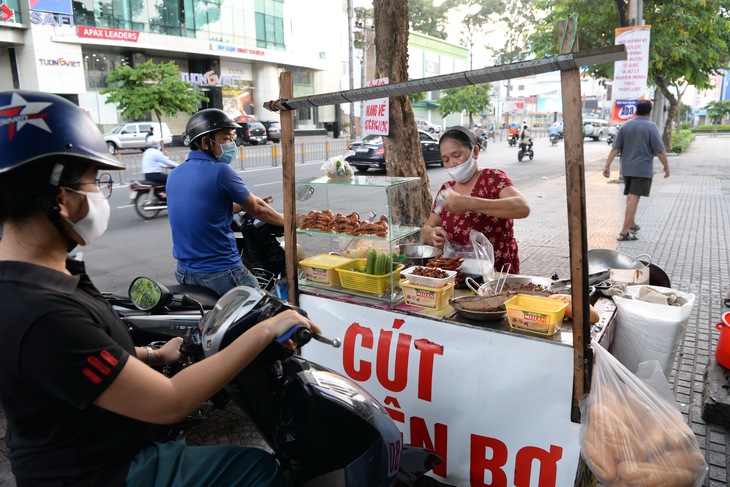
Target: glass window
[
  {"x": 14, "y": 5},
  {"x": 270, "y": 24}
]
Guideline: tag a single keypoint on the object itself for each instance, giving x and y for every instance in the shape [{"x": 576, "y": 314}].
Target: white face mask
[
  {"x": 94, "y": 224},
  {"x": 464, "y": 171}
]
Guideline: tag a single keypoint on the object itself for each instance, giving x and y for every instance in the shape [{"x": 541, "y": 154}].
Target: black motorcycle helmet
[{"x": 205, "y": 122}]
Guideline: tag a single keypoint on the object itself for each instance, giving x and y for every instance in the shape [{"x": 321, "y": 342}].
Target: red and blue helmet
[{"x": 37, "y": 126}]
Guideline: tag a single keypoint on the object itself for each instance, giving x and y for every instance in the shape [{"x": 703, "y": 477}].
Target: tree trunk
[
  {"x": 673, "y": 111},
  {"x": 403, "y": 156}
]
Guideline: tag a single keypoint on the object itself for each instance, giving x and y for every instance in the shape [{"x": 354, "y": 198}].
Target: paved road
[{"x": 685, "y": 228}]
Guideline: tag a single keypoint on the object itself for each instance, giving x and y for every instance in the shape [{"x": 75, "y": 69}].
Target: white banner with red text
[{"x": 495, "y": 405}]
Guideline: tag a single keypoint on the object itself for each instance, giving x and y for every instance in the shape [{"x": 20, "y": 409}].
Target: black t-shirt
[{"x": 62, "y": 345}]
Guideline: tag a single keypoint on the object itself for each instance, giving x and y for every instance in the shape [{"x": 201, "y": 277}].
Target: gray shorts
[{"x": 637, "y": 186}]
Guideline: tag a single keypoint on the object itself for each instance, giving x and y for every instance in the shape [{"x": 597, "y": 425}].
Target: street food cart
[{"x": 499, "y": 405}]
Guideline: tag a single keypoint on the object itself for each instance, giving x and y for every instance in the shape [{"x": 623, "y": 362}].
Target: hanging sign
[
  {"x": 630, "y": 76},
  {"x": 629, "y": 80},
  {"x": 377, "y": 112}
]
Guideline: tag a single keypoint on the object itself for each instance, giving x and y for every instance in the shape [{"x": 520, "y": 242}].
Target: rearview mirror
[{"x": 147, "y": 295}]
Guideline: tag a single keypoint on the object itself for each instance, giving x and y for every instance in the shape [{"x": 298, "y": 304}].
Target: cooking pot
[{"x": 418, "y": 254}]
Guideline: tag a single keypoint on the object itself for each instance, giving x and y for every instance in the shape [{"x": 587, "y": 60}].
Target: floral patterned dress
[{"x": 499, "y": 231}]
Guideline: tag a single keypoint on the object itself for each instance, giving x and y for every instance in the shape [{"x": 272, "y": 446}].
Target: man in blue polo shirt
[{"x": 202, "y": 195}]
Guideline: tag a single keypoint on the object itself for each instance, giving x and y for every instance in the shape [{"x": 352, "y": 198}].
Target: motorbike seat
[
  {"x": 205, "y": 296},
  {"x": 147, "y": 182}
]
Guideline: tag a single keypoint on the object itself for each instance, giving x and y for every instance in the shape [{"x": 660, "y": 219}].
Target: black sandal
[{"x": 626, "y": 236}]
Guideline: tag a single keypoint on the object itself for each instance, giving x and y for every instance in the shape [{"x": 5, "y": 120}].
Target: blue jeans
[
  {"x": 220, "y": 282},
  {"x": 176, "y": 464}
]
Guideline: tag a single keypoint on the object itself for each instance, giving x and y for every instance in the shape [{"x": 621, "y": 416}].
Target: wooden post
[
  {"x": 286, "y": 89},
  {"x": 575, "y": 189}
]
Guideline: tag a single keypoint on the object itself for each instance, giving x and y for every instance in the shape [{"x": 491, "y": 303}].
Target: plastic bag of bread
[{"x": 632, "y": 436}]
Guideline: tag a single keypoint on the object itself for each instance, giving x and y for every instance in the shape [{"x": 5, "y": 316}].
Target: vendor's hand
[
  {"x": 439, "y": 236},
  {"x": 285, "y": 320},
  {"x": 457, "y": 203},
  {"x": 170, "y": 353}
]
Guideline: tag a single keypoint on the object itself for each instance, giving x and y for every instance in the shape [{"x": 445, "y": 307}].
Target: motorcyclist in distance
[
  {"x": 80, "y": 399},
  {"x": 154, "y": 161},
  {"x": 525, "y": 137}
]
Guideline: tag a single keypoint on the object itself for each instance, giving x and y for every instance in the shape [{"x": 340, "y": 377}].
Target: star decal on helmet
[{"x": 21, "y": 113}]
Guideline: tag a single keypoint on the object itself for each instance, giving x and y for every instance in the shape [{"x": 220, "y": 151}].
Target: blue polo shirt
[{"x": 200, "y": 197}]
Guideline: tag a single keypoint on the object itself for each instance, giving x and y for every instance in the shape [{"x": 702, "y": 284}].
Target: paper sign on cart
[{"x": 377, "y": 112}]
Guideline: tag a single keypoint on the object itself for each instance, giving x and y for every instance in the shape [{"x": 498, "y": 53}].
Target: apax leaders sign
[
  {"x": 630, "y": 76},
  {"x": 377, "y": 112}
]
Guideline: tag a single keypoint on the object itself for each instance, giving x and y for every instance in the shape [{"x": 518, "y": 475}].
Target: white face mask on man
[
  {"x": 95, "y": 223},
  {"x": 464, "y": 171}
]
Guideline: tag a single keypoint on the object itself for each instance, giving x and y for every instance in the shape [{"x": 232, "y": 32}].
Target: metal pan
[
  {"x": 462, "y": 307},
  {"x": 518, "y": 283},
  {"x": 604, "y": 259}
]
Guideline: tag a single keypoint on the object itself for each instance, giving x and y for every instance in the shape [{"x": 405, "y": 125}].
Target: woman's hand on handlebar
[
  {"x": 170, "y": 353},
  {"x": 284, "y": 321}
]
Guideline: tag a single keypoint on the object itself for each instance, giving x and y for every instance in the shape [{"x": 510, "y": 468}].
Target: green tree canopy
[
  {"x": 472, "y": 99},
  {"x": 718, "y": 110},
  {"x": 427, "y": 18},
  {"x": 690, "y": 40},
  {"x": 150, "y": 87}
]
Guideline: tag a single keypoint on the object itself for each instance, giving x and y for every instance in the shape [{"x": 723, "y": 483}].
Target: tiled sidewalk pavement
[{"x": 685, "y": 228}]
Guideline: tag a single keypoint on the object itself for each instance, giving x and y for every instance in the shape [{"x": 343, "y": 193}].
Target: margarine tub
[
  {"x": 535, "y": 314},
  {"x": 427, "y": 297},
  {"x": 321, "y": 269}
]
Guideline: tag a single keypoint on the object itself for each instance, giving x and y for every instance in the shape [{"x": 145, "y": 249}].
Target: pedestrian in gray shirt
[{"x": 638, "y": 141}]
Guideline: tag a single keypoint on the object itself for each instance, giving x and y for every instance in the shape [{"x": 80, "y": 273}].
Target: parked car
[
  {"x": 427, "y": 126},
  {"x": 273, "y": 131},
  {"x": 132, "y": 135},
  {"x": 252, "y": 132},
  {"x": 370, "y": 153},
  {"x": 595, "y": 128}
]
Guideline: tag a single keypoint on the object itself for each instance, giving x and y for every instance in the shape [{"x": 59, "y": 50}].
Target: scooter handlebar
[{"x": 302, "y": 335}]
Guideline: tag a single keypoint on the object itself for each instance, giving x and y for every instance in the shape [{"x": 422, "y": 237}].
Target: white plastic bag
[
  {"x": 478, "y": 255},
  {"x": 337, "y": 167},
  {"x": 632, "y": 436},
  {"x": 646, "y": 330}
]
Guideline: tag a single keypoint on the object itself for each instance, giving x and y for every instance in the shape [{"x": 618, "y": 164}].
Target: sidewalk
[{"x": 685, "y": 228}]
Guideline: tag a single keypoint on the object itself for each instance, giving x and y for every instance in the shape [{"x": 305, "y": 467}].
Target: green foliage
[
  {"x": 417, "y": 97},
  {"x": 690, "y": 39},
  {"x": 681, "y": 142},
  {"x": 685, "y": 112},
  {"x": 711, "y": 128},
  {"x": 471, "y": 98},
  {"x": 151, "y": 87},
  {"x": 427, "y": 18},
  {"x": 718, "y": 111}
]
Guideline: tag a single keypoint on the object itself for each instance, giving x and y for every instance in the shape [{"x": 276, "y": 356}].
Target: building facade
[{"x": 232, "y": 50}]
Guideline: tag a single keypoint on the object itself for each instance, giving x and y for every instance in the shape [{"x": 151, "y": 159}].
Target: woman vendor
[{"x": 475, "y": 199}]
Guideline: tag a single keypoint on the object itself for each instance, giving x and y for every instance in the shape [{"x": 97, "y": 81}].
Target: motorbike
[
  {"x": 525, "y": 151},
  {"x": 149, "y": 198},
  {"x": 482, "y": 141},
  {"x": 323, "y": 428},
  {"x": 554, "y": 138},
  {"x": 512, "y": 139},
  {"x": 609, "y": 139}
]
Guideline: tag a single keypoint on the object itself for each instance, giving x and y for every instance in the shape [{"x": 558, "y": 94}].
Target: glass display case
[{"x": 348, "y": 217}]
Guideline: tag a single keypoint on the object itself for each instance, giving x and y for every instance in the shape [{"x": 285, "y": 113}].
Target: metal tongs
[{"x": 501, "y": 280}]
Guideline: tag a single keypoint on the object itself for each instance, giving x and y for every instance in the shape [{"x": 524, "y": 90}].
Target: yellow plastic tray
[{"x": 367, "y": 283}]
